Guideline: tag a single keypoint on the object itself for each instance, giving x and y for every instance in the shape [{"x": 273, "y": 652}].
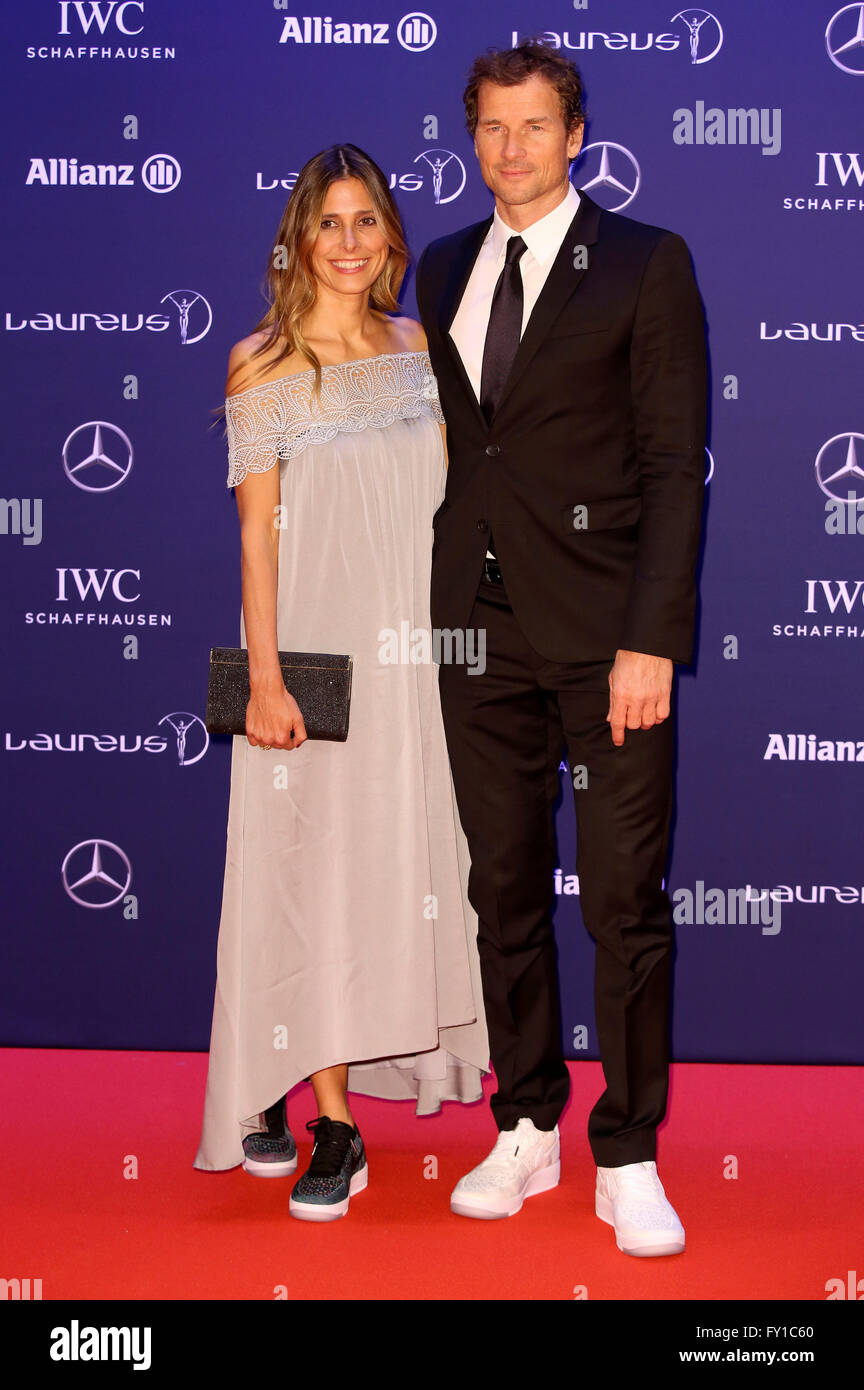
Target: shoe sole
[
  {"x": 603, "y": 1209},
  {"x": 279, "y": 1169},
  {"x": 541, "y": 1181},
  {"x": 314, "y": 1211}
]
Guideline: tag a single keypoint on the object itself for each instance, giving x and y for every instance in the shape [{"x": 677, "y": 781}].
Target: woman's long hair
[{"x": 290, "y": 285}]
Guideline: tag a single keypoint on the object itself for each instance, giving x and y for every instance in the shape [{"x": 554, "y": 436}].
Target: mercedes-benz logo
[
  {"x": 695, "y": 21},
  {"x": 838, "y": 471},
  {"x": 93, "y": 869},
  {"x": 438, "y": 161},
  {"x": 848, "y": 40},
  {"x": 181, "y": 722},
  {"x": 106, "y": 470},
  {"x": 607, "y": 185}
]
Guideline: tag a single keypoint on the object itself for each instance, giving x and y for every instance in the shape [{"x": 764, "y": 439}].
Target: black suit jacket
[{"x": 591, "y": 475}]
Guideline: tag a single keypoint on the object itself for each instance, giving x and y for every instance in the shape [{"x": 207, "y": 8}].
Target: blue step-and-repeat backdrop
[{"x": 149, "y": 148}]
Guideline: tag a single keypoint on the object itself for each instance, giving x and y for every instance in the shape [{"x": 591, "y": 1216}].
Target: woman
[{"x": 347, "y": 947}]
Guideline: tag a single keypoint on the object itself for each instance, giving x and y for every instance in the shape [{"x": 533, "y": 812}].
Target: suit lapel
[
  {"x": 458, "y": 274},
  {"x": 561, "y": 282}
]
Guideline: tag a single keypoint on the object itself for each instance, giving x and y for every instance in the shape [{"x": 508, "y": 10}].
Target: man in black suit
[{"x": 569, "y": 347}]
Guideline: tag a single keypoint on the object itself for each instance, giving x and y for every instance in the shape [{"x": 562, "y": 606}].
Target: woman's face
[{"x": 350, "y": 250}]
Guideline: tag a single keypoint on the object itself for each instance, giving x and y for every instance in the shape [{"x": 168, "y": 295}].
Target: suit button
[
  {"x": 482, "y": 523},
  {"x": 493, "y": 450}
]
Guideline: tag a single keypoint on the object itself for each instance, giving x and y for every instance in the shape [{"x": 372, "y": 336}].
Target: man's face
[{"x": 521, "y": 143}]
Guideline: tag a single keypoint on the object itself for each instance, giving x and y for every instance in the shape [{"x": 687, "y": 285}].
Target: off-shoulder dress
[{"x": 346, "y": 934}]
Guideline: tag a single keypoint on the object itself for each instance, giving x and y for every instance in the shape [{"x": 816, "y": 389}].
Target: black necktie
[{"x": 504, "y": 329}]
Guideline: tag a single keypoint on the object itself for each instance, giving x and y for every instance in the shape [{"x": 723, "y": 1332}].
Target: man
[{"x": 569, "y": 347}]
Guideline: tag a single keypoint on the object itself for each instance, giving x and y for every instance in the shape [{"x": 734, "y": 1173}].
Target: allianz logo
[
  {"x": 67, "y": 172},
  {"x": 159, "y": 173},
  {"x": 568, "y": 884},
  {"x": 415, "y": 31},
  {"x": 812, "y": 893},
  {"x": 807, "y": 748}
]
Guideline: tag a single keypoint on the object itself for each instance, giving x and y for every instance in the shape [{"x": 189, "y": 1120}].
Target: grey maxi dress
[{"x": 346, "y": 934}]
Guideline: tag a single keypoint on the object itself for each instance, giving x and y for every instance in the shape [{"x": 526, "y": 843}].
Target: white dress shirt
[{"x": 543, "y": 242}]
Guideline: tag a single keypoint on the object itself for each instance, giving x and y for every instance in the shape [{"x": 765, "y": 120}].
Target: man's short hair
[{"x": 510, "y": 66}]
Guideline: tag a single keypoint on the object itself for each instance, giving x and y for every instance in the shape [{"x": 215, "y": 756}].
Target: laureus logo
[
  {"x": 447, "y": 171},
  {"x": 704, "y": 34},
  {"x": 193, "y": 312},
  {"x": 192, "y": 738}
]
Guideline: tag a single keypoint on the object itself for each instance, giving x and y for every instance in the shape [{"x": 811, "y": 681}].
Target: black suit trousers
[{"x": 506, "y": 729}]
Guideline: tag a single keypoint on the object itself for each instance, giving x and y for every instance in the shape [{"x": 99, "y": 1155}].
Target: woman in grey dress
[{"x": 347, "y": 946}]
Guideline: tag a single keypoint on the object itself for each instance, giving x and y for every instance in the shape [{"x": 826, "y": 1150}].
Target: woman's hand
[{"x": 273, "y": 718}]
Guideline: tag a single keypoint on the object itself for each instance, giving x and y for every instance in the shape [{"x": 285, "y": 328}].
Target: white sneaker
[
  {"x": 523, "y": 1162},
  {"x": 631, "y": 1198}
]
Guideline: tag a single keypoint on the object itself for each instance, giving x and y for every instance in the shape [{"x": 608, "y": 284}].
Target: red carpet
[{"x": 792, "y": 1220}]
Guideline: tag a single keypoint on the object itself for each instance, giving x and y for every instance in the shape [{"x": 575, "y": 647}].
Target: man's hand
[{"x": 639, "y": 691}]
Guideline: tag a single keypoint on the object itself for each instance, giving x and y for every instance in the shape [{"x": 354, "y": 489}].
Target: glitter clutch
[{"x": 319, "y": 681}]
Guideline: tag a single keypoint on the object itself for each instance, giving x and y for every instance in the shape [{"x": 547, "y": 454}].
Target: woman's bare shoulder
[
  {"x": 409, "y": 333},
  {"x": 245, "y": 370}
]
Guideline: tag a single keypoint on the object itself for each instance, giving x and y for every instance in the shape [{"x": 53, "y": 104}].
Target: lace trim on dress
[{"x": 277, "y": 420}]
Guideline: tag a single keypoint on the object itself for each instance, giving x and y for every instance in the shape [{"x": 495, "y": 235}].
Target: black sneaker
[
  {"x": 338, "y": 1169},
  {"x": 271, "y": 1152}
]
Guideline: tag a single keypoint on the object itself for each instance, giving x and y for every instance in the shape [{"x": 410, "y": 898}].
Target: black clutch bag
[{"x": 319, "y": 681}]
